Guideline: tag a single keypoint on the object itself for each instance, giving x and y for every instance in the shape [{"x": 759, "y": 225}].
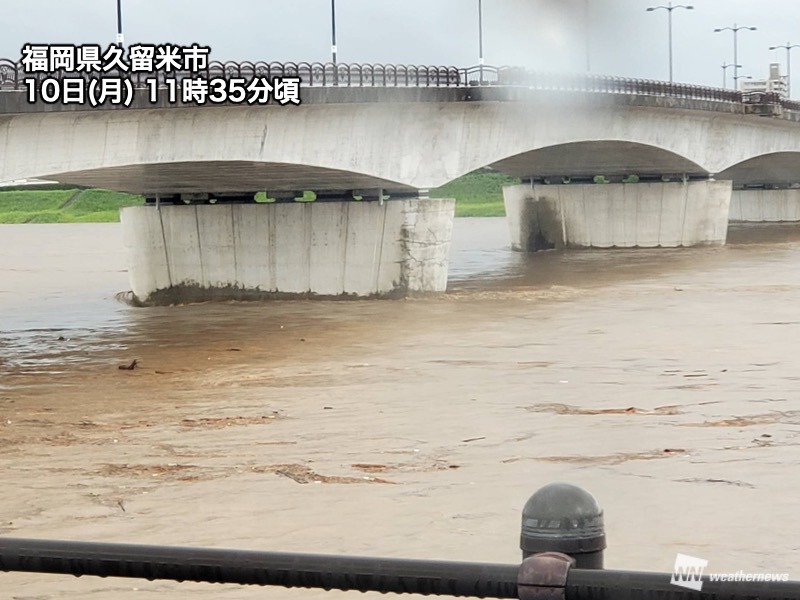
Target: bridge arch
[
  {"x": 776, "y": 169},
  {"x": 217, "y": 176},
  {"x": 583, "y": 159}
]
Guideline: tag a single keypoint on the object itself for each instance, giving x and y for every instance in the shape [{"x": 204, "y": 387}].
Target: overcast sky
[{"x": 542, "y": 34}]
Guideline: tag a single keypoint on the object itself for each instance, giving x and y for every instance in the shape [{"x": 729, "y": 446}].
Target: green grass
[
  {"x": 102, "y": 201},
  {"x": 33, "y": 200},
  {"x": 48, "y": 206},
  {"x": 478, "y": 194}
]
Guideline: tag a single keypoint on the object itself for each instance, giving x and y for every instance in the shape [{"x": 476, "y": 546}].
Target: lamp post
[
  {"x": 587, "y": 34},
  {"x": 788, "y": 48},
  {"x": 735, "y": 29},
  {"x": 480, "y": 39},
  {"x": 669, "y": 8},
  {"x": 480, "y": 32},
  {"x": 333, "y": 31},
  {"x": 119, "y": 24},
  {"x": 736, "y": 79},
  {"x": 725, "y": 75}
]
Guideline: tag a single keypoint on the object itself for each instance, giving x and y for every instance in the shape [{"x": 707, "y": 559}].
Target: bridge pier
[
  {"x": 196, "y": 253},
  {"x": 625, "y": 215},
  {"x": 765, "y": 206}
]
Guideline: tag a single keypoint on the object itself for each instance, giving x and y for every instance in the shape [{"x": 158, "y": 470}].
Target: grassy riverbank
[
  {"x": 477, "y": 194},
  {"x": 63, "y": 205}
]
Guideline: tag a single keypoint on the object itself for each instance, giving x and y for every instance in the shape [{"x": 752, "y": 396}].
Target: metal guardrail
[
  {"x": 13, "y": 75},
  {"x": 544, "y": 576},
  {"x": 562, "y": 541}
]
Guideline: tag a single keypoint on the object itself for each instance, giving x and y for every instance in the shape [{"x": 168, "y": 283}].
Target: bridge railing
[
  {"x": 515, "y": 76},
  {"x": 316, "y": 74},
  {"x": 562, "y": 539},
  {"x": 541, "y": 576}
]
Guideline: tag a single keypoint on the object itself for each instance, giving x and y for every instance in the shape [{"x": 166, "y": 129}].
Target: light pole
[
  {"x": 587, "y": 36},
  {"x": 725, "y": 75},
  {"x": 669, "y": 8},
  {"x": 333, "y": 31},
  {"x": 119, "y": 24},
  {"x": 735, "y": 29},
  {"x": 788, "y": 48},
  {"x": 480, "y": 32},
  {"x": 736, "y": 79}
]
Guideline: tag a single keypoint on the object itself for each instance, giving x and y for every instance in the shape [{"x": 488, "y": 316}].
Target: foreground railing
[
  {"x": 560, "y": 517},
  {"x": 546, "y": 576},
  {"x": 13, "y": 76}
]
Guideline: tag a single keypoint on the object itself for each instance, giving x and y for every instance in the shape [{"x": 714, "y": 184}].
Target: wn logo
[{"x": 688, "y": 572}]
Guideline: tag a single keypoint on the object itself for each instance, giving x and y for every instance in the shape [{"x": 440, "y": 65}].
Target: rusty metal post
[
  {"x": 543, "y": 576},
  {"x": 561, "y": 517}
]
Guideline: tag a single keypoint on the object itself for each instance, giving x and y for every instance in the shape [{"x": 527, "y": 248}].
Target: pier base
[
  {"x": 765, "y": 206},
  {"x": 197, "y": 253},
  {"x": 644, "y": 215}
]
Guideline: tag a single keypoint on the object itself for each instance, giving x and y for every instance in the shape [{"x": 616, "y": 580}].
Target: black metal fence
[
  {"x": 562, "y": 539},
  {"x": 544, "y": 576},
  {"x": 12, "y": 77}
]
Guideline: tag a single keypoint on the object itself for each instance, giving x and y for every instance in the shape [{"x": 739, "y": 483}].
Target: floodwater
[{"x": 666, "y": 382}]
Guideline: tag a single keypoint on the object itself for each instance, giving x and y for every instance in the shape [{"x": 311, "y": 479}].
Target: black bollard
[{"x": 562, "y": 517}]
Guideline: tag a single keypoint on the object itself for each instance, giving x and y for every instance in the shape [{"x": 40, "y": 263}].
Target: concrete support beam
[
  {"x": 197, "y": 253},
  {"x": 765, "y": 206},
  {"x": 642, "y": 215}
]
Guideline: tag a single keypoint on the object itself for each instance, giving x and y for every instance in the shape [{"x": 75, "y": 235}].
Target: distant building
[{"x": 776, "y": 83}]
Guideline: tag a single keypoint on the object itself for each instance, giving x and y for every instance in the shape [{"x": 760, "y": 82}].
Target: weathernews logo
[{"x": 688, "y": 573}]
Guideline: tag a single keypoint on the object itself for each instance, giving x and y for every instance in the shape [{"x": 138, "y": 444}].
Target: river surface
[{"x": 666, "y": 382}]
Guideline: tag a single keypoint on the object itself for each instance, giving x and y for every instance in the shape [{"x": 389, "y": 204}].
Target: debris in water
[
  {"x": 302, "y": 474},
  {"x": 566, "y": 409},
  {"x": 129, "y": 367}
]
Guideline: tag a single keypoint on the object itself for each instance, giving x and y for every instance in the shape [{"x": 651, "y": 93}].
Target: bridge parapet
[{"x": 356, "y": 75}]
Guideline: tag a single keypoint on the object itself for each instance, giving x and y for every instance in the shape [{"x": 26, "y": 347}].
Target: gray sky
[{"x": 542, "y": 34}]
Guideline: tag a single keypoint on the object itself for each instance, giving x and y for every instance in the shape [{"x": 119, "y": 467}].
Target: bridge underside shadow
[
  {"x": 202, "y": 177},
  {"x": 582, "y": 160},
  {"x": 779, "y": 169}
]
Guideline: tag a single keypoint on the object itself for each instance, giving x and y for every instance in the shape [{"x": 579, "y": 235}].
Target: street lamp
[
  {"x": 735, "y": 29},
  {"x": 480, "y": 34},
  {"x": 736, "y": 79},
  {"x": 788, "y": 48},
  {"x": 119, "y": 24},
  {"x": 587, "y": 36},
  {"x": 333, "y": 31},
  {"x": 725, "y": 74},
  {"x": 669, "y": 8}
]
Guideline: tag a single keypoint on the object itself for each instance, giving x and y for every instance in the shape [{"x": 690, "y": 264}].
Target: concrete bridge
[{"x": 386, "y": 135}]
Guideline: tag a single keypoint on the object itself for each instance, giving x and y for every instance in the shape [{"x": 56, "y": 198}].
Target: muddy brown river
[{"x": 666, "y": 382}]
